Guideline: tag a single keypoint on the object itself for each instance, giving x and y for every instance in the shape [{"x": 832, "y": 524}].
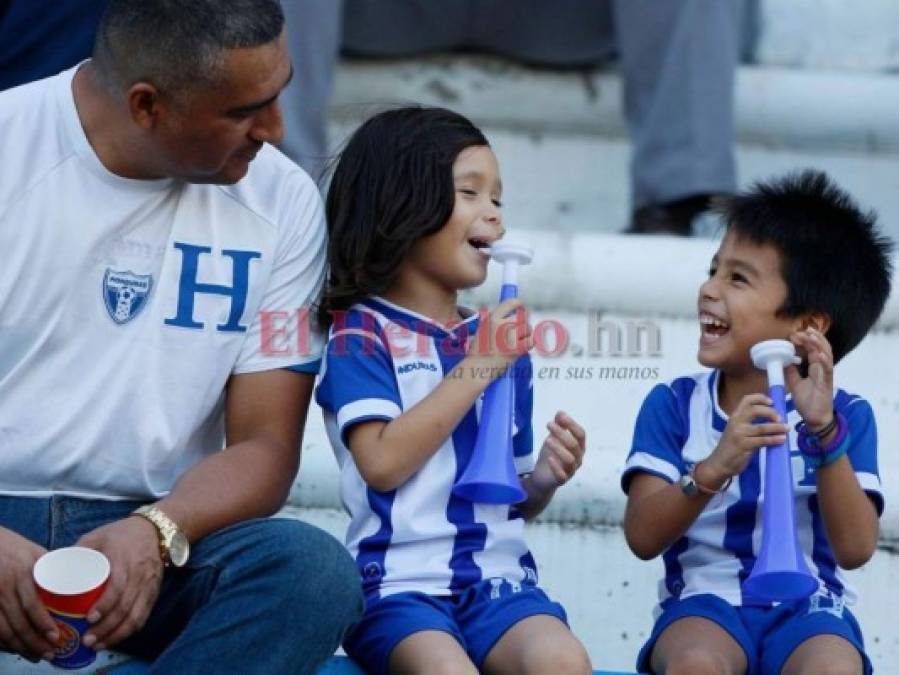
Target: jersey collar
[{"x": 419, "y": 323}]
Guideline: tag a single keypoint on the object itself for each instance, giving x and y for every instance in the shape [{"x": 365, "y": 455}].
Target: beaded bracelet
[{"x": 819, "y": 455}]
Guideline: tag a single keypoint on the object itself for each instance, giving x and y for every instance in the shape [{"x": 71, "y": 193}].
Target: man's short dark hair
[
  {"x": 834, "y": 259},
  {"x": 177, "y": 44}
]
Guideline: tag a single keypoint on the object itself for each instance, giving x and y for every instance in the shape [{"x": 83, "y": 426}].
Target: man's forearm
[
  {"x": 265, "y": 416},
  {"x": 248, "y": 480}
]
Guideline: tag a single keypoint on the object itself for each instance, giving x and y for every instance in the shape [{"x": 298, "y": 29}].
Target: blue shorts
[
  {"x": 477, "y": 617},
  {"x": 768, "y": 635}
]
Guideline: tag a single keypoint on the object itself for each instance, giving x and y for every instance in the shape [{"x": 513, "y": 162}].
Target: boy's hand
[
  {"x": 812, "y": 395},
  {"x": 742, "y": 437},
  {"x": 562, "y": 454},
  {"x": 503, "y": 336}
]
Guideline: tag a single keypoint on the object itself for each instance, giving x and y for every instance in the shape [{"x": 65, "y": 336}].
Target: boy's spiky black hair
[{"x": 834, "y": 259}]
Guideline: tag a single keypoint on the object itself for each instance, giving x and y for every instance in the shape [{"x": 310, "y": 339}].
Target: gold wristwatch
[{"x": 173, "y": 544}]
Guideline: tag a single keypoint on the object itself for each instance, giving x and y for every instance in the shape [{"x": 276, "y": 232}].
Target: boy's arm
[
  {"x": 850, "y": 517},
  {"x": 658, "y": 512},
  {"x": 388, "y": 453}
]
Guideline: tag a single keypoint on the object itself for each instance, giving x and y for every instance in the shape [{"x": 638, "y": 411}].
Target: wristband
[
  {"x": 826, "y": 429},
  {"x": 819, "y": 455}
]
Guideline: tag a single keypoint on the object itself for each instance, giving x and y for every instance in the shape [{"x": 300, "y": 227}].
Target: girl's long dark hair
[{"x": 393, "y": 185}]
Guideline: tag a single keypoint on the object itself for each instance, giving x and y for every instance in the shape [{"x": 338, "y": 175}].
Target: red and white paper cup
[{"x": 69, "y": 582}]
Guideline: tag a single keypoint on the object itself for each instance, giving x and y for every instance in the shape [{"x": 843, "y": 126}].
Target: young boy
[{"x": 799, "y": 261}]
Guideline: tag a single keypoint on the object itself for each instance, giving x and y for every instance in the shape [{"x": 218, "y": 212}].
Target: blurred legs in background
[
  {"x": 313, "y": 38},
  {"x": 677, "y": 59}
]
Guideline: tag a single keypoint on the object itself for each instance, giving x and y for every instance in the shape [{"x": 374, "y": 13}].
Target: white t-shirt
[{"x": 125, "y": 305}]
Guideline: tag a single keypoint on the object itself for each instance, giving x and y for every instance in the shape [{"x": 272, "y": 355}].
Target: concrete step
[
  {"x": 643, "y": 277},
  {"x": 564, "y": 153},
  {"x": 829, "y": 34},
  {"x": 775, "y": 105}
]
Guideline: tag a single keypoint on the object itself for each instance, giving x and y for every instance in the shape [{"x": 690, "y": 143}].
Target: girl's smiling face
[{"x": 455, "y": 257}]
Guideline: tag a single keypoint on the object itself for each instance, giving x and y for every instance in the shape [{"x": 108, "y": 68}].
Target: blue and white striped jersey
[
  {"x": 679, "y": 424},
  {"x": 381, "y": 360}
]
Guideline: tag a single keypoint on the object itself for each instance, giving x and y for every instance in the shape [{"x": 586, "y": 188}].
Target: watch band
[
  {"x": 691, "y": 487},
  {"x": 166, "y": 529}
]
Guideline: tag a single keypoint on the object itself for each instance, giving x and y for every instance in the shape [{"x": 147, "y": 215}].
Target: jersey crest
[{"x": 125, "y": 294}]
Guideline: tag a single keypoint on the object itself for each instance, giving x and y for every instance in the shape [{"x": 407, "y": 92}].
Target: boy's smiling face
[{"x": 738, "y": 304}]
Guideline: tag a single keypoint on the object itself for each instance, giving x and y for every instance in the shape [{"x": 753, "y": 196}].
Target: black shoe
[{"x": 669, "y": 218}]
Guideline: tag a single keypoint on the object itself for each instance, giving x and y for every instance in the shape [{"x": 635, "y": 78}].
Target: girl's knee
[
  {"x": 452, "y": 668},
  {"x": 696, "y": 661},
  {"x": 428, "y": 651},
  {"x": 561, "y": 657}
]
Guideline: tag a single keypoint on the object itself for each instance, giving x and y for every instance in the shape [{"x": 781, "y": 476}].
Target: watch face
[
  {"x": 179, "y": 549},
  {"x": 688, "y": 485}
]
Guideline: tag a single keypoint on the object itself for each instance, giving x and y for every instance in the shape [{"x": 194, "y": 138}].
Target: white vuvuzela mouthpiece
[{"x": 511, "y": 256}]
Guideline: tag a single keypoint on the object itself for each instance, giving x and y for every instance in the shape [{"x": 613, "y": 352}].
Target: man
[{"x": 147, "y": 230}]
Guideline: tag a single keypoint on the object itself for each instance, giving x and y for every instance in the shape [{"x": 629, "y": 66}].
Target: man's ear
[
  {"x": 144, "y": 104},
  {"x": 817, "y": 320}
]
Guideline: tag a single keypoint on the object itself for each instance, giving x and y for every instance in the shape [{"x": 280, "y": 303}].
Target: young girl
[{"x": 450, "y": 585}]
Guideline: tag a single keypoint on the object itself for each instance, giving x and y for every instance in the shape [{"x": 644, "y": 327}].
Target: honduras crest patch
[{"x": 125, "y": 294}]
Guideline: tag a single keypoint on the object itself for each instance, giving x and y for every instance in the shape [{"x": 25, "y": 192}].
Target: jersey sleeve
[
  {"x": 658, "y": 439},
  {"x": 358, "y": 384},
  {"x": 523, "y": 438},
  {"x": 863, "y": 446},
  {"x": 284, "y": 333}
]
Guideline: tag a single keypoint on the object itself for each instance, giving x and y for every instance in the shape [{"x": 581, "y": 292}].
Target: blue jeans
[{"x": 264, "y": 596}]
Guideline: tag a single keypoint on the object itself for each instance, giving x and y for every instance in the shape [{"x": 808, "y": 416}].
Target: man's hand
[
  {"x": 132, "y": 546},
  {"x": 562, "y": 454},
  {"x": 26, "y": 627}
]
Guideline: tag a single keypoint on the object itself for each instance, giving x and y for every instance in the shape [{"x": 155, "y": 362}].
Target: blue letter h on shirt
[{"x": 188, "y": 287}]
